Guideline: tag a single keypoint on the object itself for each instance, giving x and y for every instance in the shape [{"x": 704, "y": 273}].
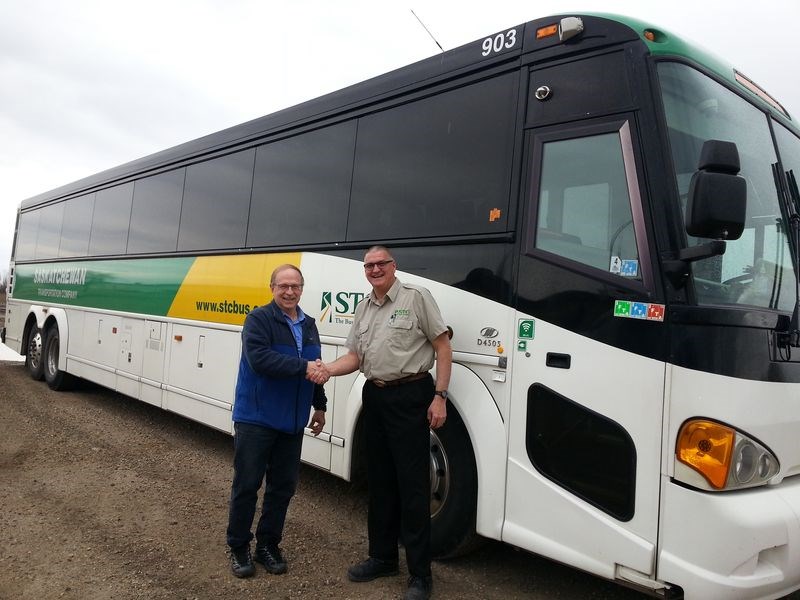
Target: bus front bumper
[{"x": 743, "y": 544}]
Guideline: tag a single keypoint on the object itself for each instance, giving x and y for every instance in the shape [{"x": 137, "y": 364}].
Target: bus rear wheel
[
  {"x": 56, "y": 379},
  {"x": 454, "y": 489},
  {"x": 33, "y": 354}
]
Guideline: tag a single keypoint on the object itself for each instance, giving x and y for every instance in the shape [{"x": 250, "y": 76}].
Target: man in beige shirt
[{"x": 397, "y": 332}]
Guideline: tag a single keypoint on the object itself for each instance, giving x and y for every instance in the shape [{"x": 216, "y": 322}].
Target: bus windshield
[{"x": 756, "y": 269}]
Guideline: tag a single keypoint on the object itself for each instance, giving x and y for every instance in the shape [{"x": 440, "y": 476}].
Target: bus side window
[
  {"x": 584, "y": 205},
  {"x": 26, "y": 235}
]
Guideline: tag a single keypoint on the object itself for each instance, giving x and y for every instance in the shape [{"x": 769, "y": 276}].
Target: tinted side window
[
  {"x": 110, "y": 221},
  {"x": 301, "y": 188},
  {"x": 437, "y": 166},
  {"x": 156, "y": 213},
  {"x": 216, "y": 202},
  {"x": 26, "y": 236},
  {"x": 584, "y": 205},
  {"x": 76, "y": 227},
  {"x": 49, "y": 231},
  {"x": 583, "y": 451}
]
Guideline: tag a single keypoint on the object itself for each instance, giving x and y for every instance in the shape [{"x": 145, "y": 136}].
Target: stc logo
[{"x": 340, "y": 307}]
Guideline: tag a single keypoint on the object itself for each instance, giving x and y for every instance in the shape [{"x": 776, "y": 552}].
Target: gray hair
[{"x": 283, "y": 268}]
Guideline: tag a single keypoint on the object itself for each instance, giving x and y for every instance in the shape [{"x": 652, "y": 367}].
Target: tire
[
  {"x": 57, "y": 380},
  {"x": 454, "y": 490},
  {"x": 34, "y": 355}
]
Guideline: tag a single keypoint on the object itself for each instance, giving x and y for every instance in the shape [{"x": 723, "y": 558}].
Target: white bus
[{"x": 608, "y": 220}]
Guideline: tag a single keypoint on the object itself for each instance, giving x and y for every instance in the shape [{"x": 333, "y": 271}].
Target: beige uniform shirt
[{"x": 393, "y": 339}]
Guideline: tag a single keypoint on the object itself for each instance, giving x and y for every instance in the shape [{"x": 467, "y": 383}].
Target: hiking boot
[
  {"x": 419, "y": 588},
  {"x": 271, "y": 558},
  {"x": 242, "y": 562},
  {"x": 372, "y": 568}
]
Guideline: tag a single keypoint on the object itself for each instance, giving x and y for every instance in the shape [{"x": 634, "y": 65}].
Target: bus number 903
[{"x": 505, "y": 40}]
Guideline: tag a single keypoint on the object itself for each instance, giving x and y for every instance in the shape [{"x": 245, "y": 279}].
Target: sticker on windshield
[
  {"x": 624, "y": 267},
  {"x": 629, "y": 268}
]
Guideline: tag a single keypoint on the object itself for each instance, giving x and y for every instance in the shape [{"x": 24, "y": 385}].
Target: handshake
[{"x": 317, "y": 372}]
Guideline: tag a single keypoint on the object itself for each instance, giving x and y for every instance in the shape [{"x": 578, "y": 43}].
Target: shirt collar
[
  {"x": 300, "y": 316},
  {"x": 391, "y": 294}
]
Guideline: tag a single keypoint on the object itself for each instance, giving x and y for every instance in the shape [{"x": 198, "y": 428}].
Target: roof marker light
[
  {"x": 759, "y": 91},
  {"x": 547, "y": 31}
]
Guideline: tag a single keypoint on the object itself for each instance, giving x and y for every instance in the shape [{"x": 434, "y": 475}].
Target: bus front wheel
[
  {"x": 56, "y": 379},
  {"x": 454, "y": 489},
  {"x": 33, "y": 354}
]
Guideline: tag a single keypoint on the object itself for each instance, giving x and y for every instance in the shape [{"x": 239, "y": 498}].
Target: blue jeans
[{"x": 260, "y": 454}]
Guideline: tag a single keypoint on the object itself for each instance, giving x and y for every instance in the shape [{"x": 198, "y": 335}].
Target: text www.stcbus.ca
[{"x": 230, "y": 307}]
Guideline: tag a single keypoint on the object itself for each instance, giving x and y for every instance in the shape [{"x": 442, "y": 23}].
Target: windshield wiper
[{"x": 787, "y": 189}]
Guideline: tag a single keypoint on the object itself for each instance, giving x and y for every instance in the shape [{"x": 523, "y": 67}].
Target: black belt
[{"x": 408, "y": 379}]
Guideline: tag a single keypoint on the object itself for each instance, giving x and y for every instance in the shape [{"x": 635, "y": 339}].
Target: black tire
[
  {"x": 34, "y": 355},
  {"x": 57, "y": 380},
  {"x": 454, "y": 490}
]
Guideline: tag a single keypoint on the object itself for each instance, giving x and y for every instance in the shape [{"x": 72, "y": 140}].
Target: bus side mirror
[{"x": 717, "y": 195}]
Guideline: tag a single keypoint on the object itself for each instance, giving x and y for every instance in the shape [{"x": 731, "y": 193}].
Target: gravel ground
[{"x": 106, "y": 497}]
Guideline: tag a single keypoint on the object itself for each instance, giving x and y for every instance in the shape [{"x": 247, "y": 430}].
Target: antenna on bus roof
[{"x": 426, "y": 29}]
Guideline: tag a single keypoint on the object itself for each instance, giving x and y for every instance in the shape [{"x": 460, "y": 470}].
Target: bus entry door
[{"x": 586, "y": 402}]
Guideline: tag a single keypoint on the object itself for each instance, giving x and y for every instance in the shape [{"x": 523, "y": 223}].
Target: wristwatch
[{"x": 442, "y": 393}]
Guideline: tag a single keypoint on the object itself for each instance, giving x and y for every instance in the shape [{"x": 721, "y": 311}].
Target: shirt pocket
[{"x": 400, "y": 331}]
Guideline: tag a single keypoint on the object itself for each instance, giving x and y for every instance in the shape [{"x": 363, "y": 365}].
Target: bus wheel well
[
  {"x": 454, "y": 489},
  {"x": 358, "y": 458},
  {"x": 30, "y": 324}
]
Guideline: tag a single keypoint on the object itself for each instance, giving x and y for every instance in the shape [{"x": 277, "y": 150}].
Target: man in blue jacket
[{"x": 274, "y": 394}]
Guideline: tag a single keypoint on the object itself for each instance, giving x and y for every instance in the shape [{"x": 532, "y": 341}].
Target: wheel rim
[
  {"x": 51, "y": 358},
  {"x": 440, "y": 475},
  {"x": 35, "y": 350}
]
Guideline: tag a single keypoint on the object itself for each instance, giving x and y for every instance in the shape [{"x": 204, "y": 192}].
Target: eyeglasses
[
  {"x": 285, "y": 287},
  {"x": 380, "y": 264}
]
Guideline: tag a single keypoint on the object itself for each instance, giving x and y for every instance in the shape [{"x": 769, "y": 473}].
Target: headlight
[{"x": 724, "y": 457}]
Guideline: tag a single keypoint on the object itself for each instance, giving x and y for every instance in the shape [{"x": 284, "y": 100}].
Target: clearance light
[
  {"x": 759, "y": 91},
  {"x": 726, "y": 458},
  {"x": 544, "y": 32},
  {"x": 567, "y": 28}
]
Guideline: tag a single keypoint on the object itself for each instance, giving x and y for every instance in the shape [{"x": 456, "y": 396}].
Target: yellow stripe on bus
[{"x": 223, "y": 289}]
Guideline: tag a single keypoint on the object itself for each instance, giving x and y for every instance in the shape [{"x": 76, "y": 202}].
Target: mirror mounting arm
[{"x": 676, "y": 268}]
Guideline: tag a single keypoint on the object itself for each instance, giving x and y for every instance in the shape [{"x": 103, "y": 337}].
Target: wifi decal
[{"x": 526, "y": 330}]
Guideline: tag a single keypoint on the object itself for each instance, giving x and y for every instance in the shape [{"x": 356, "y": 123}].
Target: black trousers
[
  {"x": 262, "y": 454},
  {"x": 398, "y": 468}
]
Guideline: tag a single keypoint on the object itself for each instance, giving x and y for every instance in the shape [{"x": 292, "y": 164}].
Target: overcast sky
[{"x": 89, "y": 84}]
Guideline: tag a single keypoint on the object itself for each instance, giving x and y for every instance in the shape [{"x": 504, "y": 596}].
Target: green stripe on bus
[{"x": 146, "y": 286}]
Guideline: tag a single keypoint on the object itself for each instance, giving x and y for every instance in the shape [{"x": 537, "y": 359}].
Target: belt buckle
[{"x": 379, "y": 382}]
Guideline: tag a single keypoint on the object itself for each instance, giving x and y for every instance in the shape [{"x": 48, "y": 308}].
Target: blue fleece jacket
[{"x": 272, "y": 389}]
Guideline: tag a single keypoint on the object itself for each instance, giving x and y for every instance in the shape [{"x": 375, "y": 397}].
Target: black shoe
[
  {"x": 242, "y": 562},
  {"x": 371, "y": 569},
  {"x": 419, "y": 588},
  {"x": 271, "y": 558}
]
